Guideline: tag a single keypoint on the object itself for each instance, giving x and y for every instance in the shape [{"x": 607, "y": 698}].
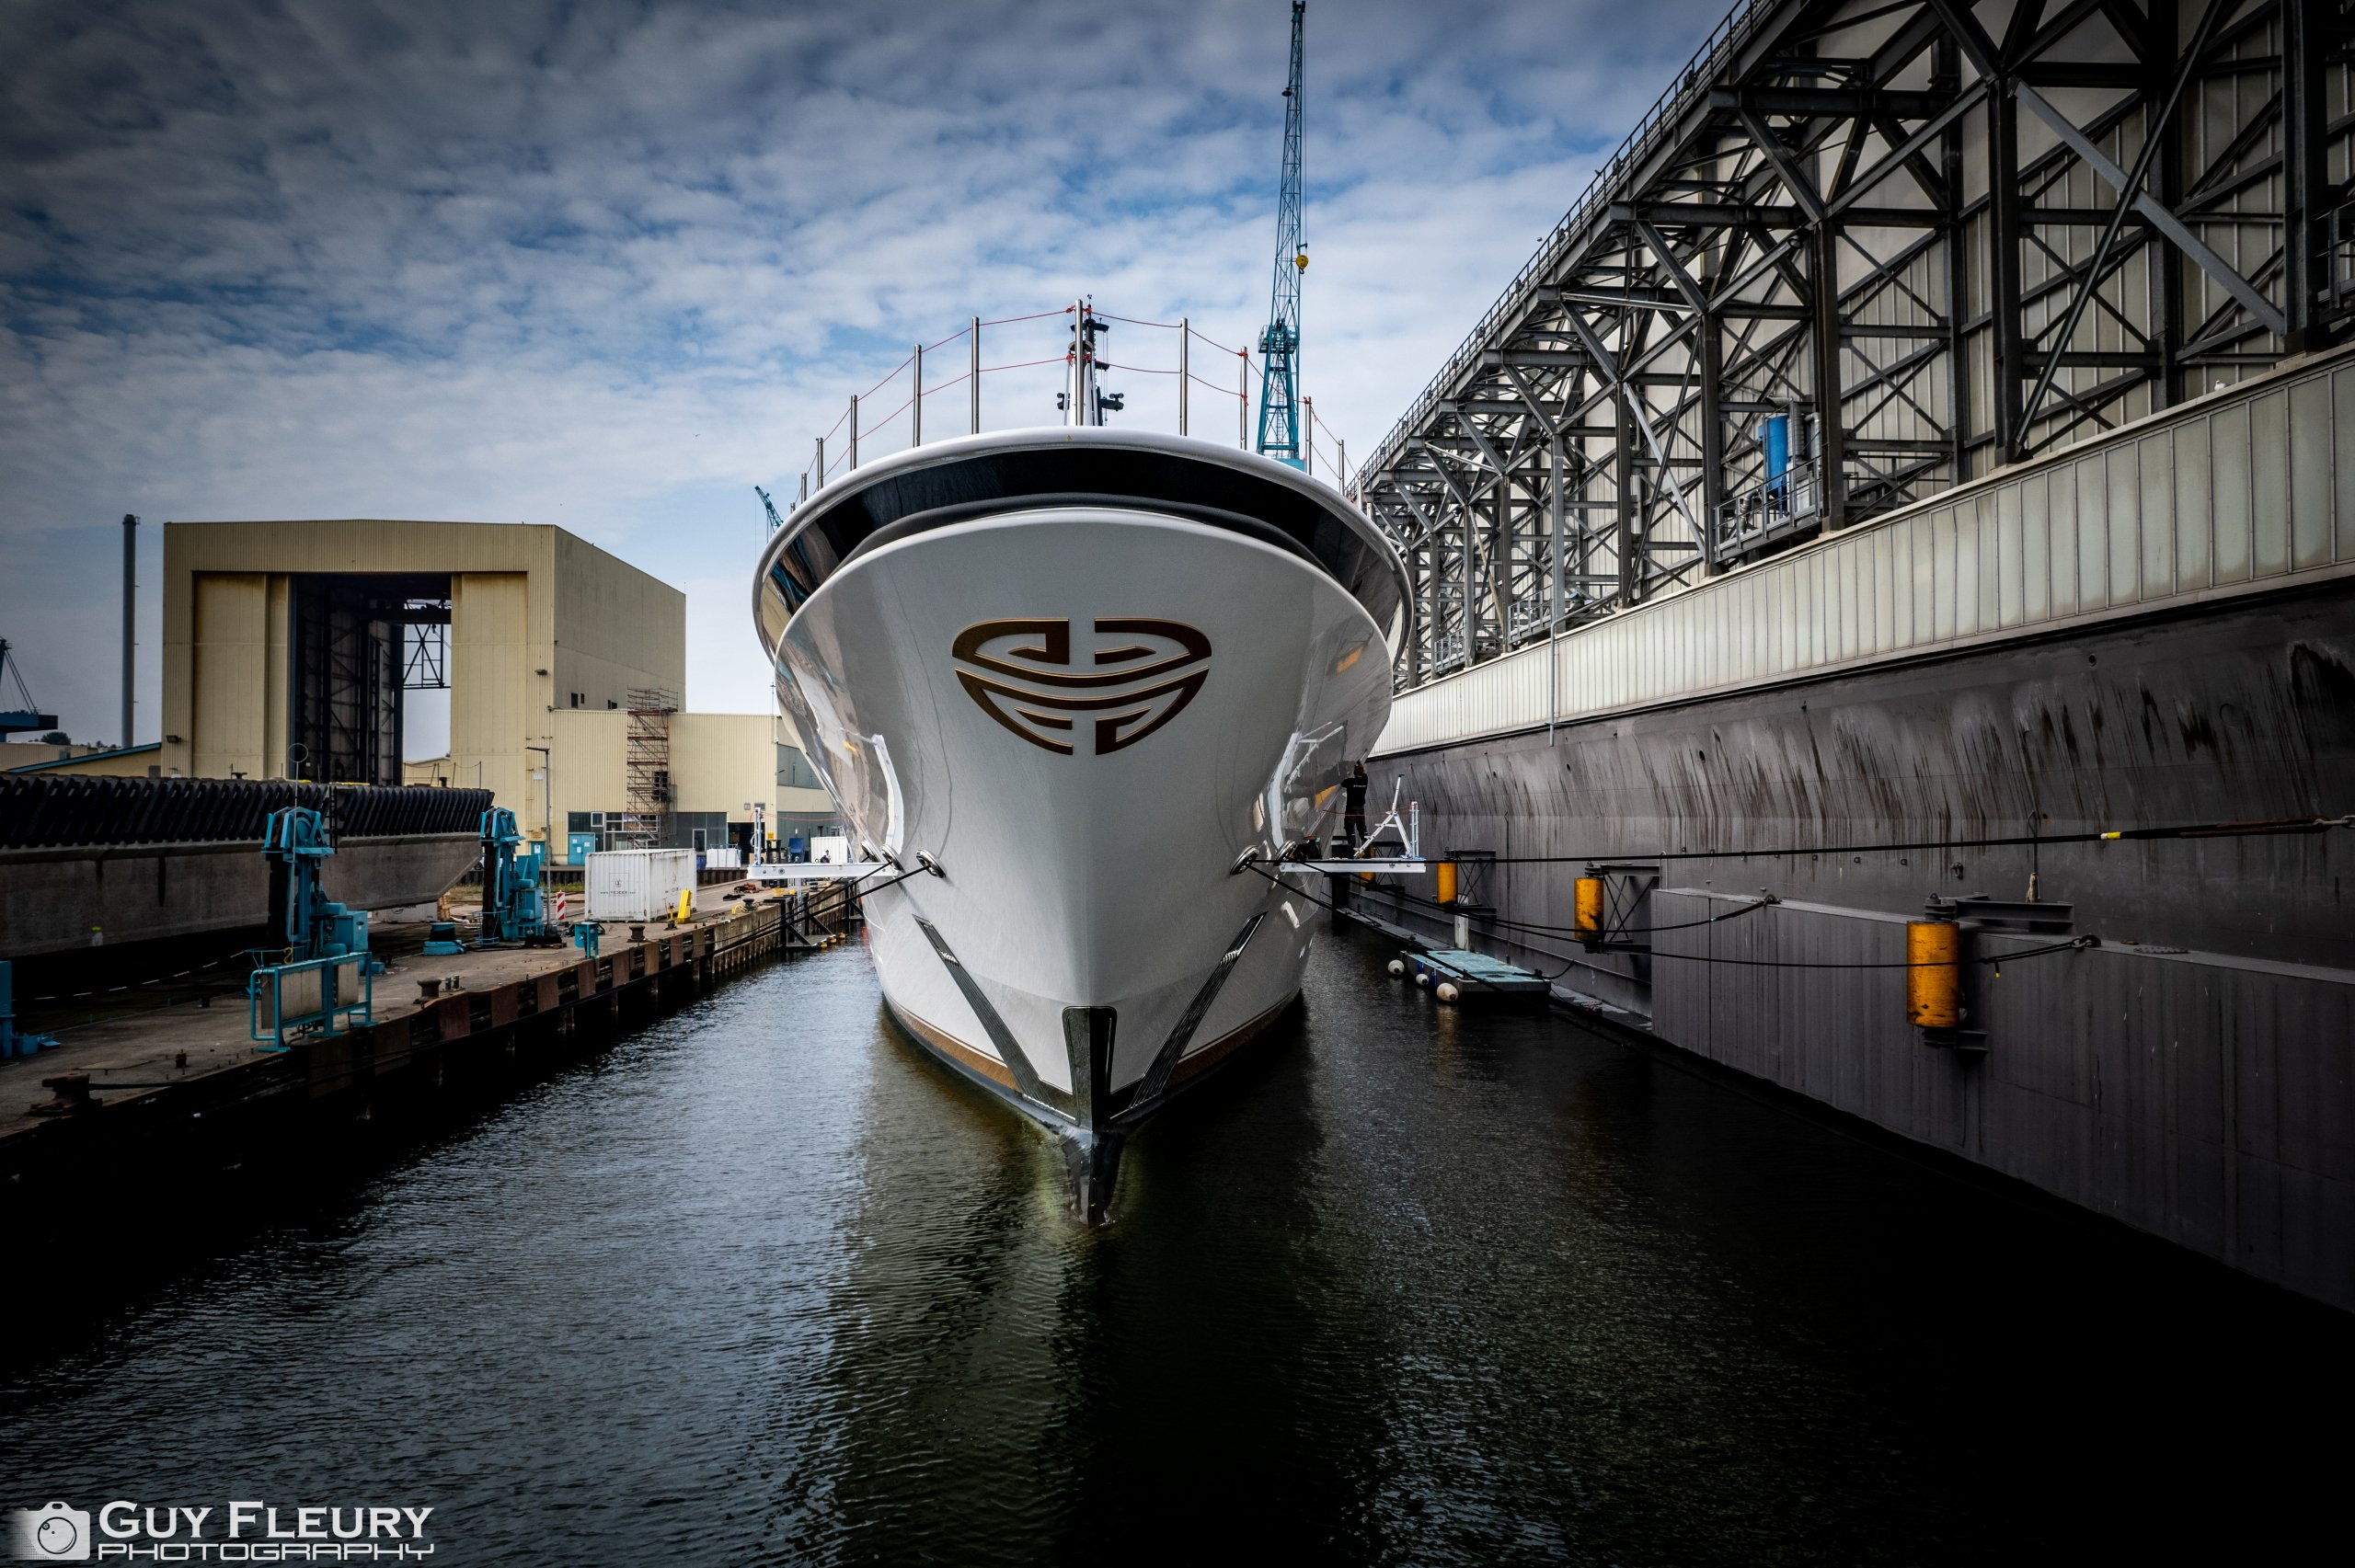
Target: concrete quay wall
[{"x": 2194, "y": 1076}]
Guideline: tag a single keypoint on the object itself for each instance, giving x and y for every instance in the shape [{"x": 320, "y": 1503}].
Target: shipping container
[{"x": 638, "y": 884}]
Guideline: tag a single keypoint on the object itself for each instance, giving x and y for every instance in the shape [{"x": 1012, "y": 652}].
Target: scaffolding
[{"x": 649, "y": 771}]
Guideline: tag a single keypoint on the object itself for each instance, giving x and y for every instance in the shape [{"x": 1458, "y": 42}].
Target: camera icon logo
[{"x": 51, "y": 1534}]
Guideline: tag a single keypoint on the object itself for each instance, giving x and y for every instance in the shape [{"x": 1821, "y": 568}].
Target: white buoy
[
  {"x": 1447, "y": 991},
  {"x": 1422, "y": 976},
  {"x": 1397, "y": 968}
]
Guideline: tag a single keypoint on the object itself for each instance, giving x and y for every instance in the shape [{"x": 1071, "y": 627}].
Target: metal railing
[
  {"x": 1776, "y": 510},
  {"x": 314, "y": 996},
  {"x": 891, "y": 414}
]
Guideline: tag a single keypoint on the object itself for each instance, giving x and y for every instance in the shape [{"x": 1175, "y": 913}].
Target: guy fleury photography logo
[{"x": 125, "y": 1531}]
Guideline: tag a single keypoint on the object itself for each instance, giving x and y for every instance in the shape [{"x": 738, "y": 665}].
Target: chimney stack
[{"x": 130, "y": 608}]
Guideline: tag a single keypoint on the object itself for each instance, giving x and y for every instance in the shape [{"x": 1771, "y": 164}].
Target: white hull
[{"x": 1086, "y": 714}]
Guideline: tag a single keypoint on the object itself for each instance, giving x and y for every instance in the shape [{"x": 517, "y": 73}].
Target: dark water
[{"x": 761, "y": 1285}]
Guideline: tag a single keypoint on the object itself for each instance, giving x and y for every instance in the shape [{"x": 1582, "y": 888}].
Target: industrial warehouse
[
  {"x": 1730, "y": 944},
  {"x": 288, "y": 647}
]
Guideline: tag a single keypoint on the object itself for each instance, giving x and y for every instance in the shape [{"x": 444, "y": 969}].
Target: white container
[
  {"x": 637, "y": 885},
  {"x": 730, "y": 859}
]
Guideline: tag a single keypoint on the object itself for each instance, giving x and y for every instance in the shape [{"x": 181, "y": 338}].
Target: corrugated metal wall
[{"x": 2245, "y": 492}]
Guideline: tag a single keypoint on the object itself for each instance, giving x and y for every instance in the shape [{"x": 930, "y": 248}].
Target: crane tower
[{"x": 1279, "y": 432}]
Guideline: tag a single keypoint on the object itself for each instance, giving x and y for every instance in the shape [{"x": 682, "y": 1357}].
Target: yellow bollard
[
  {"x": 1446, "y": 870},
  {"x": 1589, "y": 907},
  {"x": 1934, "y": 974}
]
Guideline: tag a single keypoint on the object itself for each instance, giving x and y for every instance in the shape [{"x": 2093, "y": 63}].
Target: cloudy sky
[{"x": 610, "y": 265}]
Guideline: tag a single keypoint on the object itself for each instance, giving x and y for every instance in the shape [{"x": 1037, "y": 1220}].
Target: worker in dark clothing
[{"x": 1353, "y": 818}]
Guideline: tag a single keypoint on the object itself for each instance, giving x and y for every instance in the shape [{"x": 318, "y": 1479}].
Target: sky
[{"x": 609, "y": 266}]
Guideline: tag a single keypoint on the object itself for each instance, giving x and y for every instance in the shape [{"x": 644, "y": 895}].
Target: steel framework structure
[
  {"x": 647, "y": 767},
  {"x": 1280, "y": 435},
  {"x": 1936, "y": 238}
]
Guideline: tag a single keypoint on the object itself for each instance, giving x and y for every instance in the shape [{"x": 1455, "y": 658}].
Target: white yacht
[{"x": 1074, "y": 679}]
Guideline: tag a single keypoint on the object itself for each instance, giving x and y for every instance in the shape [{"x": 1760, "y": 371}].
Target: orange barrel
[
  {"x": 1589, "y": 919},
  {"x": 1446, "y": 881},
  {"x": 1934, "y": 974}
]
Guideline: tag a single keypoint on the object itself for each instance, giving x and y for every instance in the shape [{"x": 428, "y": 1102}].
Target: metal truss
[
  {"x": 1934, "y": 237},
  {"x": 425, "y": 636}
]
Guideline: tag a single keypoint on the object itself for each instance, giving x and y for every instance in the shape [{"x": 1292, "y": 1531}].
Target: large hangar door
[{"x": 346, "y": 670}]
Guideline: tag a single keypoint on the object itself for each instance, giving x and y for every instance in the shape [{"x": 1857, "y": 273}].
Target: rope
[
  {"x": 887, "y": 381},
  {"x": 2074, "y": 944},
  {"x": 1256, "y": 867},
  {"x": 2197, "y": 830},
  {"x": 1573, "y": 931},
  {"x": 1212, "y": 341},
  {"x": 1035, "y": 315},
  {"x": 1133, "y": 321},
  {"x": 1221, "y": 391},
  {"x": 1140, "y": 370},
  {"x": 894, "y": 413},
  {"x": 1026, "y": 364},
  {"x": 919, "y": 870}
]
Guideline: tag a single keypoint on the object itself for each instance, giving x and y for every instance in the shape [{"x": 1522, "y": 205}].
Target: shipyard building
[{"x": 297, "y": 650}]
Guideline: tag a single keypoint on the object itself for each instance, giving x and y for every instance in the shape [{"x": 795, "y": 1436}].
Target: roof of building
[{"x": 86, "y": 757}]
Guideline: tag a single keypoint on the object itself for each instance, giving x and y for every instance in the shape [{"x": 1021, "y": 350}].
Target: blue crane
[
  {"x": 769, "y": 506},
  {"x": 26, "y": 713},
  {"x": 1279, "y": 432}
]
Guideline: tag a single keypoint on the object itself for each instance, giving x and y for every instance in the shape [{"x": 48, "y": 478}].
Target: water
[{"x": 1411, "y": 1286}]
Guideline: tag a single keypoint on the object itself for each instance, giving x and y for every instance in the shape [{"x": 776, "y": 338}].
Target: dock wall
[
  {"x": 2194, "y": 1075},
  {"x": 418, "y": 1052}
]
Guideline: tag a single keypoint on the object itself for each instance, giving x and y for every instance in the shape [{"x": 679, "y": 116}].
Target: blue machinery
[
  {"x": 12, "y": 1042},
  {"x": 325, "y": 977},
  {"x": 514, "y": 906}
]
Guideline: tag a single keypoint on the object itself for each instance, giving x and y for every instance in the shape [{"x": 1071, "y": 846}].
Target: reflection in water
[{"x": 1402, "y": 1285}]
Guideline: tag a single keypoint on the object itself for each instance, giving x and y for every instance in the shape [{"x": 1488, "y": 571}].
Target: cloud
[{"x": 607, "y": 266}]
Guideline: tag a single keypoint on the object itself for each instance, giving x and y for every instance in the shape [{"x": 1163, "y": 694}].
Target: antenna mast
[{"x": 1279, "y": 434}]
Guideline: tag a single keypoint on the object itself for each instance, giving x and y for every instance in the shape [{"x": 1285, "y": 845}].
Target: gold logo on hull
[{"x": 1032, "y": 688}]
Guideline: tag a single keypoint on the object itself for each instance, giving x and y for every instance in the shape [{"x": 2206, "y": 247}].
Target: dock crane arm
[
  {"x": 27, "y": 715},
  {"x": 769, "y": 506},
  {"x": 1279, "y": 431}
]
